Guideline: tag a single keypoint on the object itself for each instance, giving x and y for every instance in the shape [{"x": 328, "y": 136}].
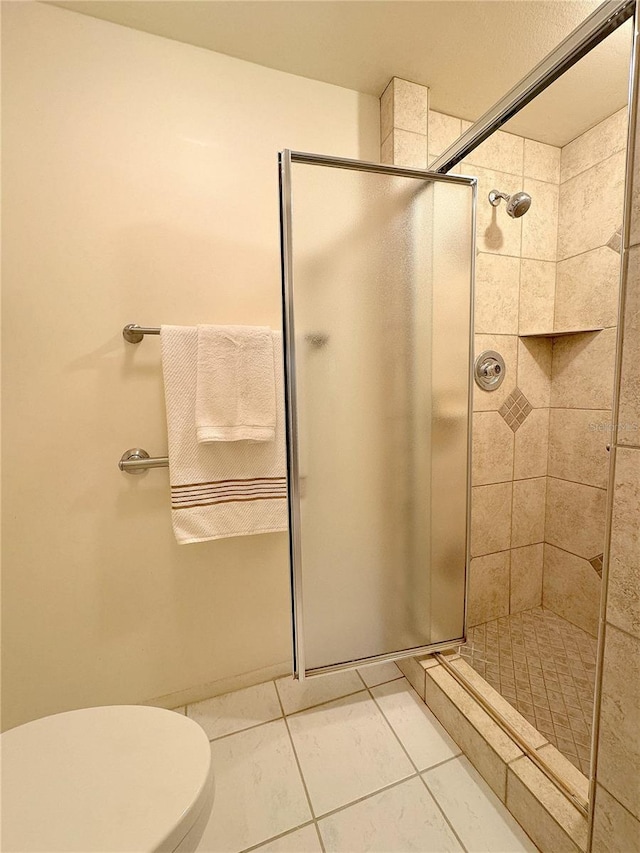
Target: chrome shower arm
[{"x": 496, "y": 195}]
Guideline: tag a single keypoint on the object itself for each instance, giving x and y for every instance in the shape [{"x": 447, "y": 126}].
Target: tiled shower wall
[
  {"x": 616, "y": 816},
  {"x": 539, "y": 442},
  {"x": 591, "y": 208},
  {"x": 515, "y": 283},
  {"x": 539, "y": 493}
]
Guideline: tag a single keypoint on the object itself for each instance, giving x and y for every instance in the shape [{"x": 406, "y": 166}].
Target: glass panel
[{"x": 379, "y": 294}]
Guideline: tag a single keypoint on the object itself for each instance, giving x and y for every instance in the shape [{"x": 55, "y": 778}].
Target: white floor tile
[
  {"x": 402, "y": 819},
  {"x": 421, "y": 734},
  {"x": 258, "y": 789},
  {"x": 236, "y": 711},
  {"x": 301, "y": 841},
  {"x": 379, "y": 673},
  {"x": 298, "y": 695},
  {"x": 346, "y": 751},
  {"x": 477, "y": 815}
]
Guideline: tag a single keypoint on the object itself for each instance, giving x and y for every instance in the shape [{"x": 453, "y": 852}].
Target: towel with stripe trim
[{"x": 225, "y": 489}]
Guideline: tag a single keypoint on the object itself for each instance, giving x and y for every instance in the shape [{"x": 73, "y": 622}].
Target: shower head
[{"x": 517, "y": 204}]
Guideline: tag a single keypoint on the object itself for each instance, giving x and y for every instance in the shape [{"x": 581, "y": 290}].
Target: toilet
[{"x": 112, "y": 779}]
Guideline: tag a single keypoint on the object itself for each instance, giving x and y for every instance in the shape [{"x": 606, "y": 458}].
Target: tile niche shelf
[{"x": 560, "y": 333}]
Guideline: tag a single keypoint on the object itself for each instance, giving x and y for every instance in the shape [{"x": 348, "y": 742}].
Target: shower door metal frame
[
  {"x": 601, "y": 23},
  {"x": 285, "y": 159}
]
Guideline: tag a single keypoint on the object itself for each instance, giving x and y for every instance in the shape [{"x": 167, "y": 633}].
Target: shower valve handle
[{"x": 489, "y": 370}]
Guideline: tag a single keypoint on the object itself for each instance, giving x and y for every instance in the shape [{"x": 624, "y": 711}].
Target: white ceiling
[{"x": 470, "y": 52}]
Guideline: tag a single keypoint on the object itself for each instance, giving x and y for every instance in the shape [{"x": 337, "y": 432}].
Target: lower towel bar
[{"x": 137, "y": 461}]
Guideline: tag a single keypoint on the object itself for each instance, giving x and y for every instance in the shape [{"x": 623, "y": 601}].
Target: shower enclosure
[
  {"x": 378, "y": 265},
  {"x": 538, "y": 647},
  {"x": 378, "y": 271}
]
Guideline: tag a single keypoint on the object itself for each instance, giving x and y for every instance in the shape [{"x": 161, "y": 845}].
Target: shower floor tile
[
  {"x": 344, "y": 774},
  {"x": 545, "y": 667}
]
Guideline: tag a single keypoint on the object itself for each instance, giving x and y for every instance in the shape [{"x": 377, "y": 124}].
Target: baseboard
[{"x": 191, "y": 695}]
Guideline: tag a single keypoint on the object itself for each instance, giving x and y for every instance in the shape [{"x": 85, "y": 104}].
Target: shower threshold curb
[{"x": 553, "y": 814}]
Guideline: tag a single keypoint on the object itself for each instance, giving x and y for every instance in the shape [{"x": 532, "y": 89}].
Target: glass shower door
[{"x": 377, "y": 286}]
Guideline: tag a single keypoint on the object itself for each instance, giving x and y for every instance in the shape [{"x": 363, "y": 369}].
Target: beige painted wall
[{"x": 140, "y": 185}]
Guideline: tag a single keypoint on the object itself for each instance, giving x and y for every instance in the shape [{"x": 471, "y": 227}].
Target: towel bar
[
  {"x": 133, "y": 333},
  {"x": 136, "y": 461}
]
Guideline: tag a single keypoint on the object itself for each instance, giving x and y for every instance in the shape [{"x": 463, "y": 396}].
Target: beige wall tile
[
  {"x": 618, "y": 789},
  {"x": 591, "y": 207},
  {"x": 496, "y": 294},
  {"x": 540, "y": 222},
  {"x": 386, "y": 112},
  {"x": 619, "y": 739},
  {"x": 493, "y": 442},
  {"x": 403, "y": 106},
  {"x": 414, "y": 673},
  {"x": 531, "y": 446},
  {"x": 386, "y": 150},
  {"x": 409, "y": 149},
  {"x": 507, "y": 346},
  {"x": 541, "y": 161},
  {"x": 496, "y": 231},
  {"x": 576, "y": 384},
  {"x": 490, "y": 518},
  {"x": 534, "y": 370},
  {"x": 587, "y": 290},
  {"x": 575, "y": 517},
  {"x": 410, "y": 106},
  {"x": 443, "y": 131},
  {"x": 488, "y": 588},
  {"x": 623, "y": 597},
  {"x": 635, "y": 194},
  {"x": 484, "y": 743},
  {"x": 427, "y": 661},
  {"x": 503, "y": 152},
  {"x": 542, "y": 811},
  {"x": 615, "y": 830},
  {"x": 527, "y": 525},
  {"x": 578, "y": 441},
  {"x": 571, "y": 588},
  {"x": 537, "y": 295},
  {"x": 526, "y": 578},
  {"x": 594, "y": 145},
  {"x": 629, "y": 417}
]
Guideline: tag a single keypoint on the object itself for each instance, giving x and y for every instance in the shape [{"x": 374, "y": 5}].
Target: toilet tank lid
[{"x": 113, "y": 778}]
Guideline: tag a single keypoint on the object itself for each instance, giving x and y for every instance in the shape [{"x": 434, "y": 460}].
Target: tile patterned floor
[
  {"x": 345, "y": 763},
  {"x": 545, "y": 667}
]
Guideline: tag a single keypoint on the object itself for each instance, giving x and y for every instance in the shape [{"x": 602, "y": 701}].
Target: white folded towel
[
  {"x": 222, "y": 489},
  {"x": 236, "y": 392}
]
